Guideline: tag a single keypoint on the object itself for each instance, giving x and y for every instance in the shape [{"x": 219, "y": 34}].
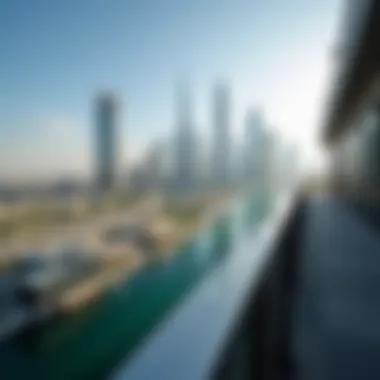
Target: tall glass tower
[
  {"x": 220, "y": 164},
  {"x": 255, "y": 144},
  {"x": 106, "y": 107},
  {"x": 186, "y": 142}
]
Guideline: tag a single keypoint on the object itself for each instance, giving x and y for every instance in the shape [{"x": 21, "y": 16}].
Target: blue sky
[{"x": 57, "y": 54}]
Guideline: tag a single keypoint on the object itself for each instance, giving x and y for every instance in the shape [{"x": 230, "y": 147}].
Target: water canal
[{"x": 90, "y": 343}]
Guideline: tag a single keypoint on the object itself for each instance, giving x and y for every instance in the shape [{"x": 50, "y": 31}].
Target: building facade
[
  {"x": 185, "y": 145},
  {"x": 255, "y": 145},
  {"x": 106, "y": 152},
  {"x": 220, "y": 161}
]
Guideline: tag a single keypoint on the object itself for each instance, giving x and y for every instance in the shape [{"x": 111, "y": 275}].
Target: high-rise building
[
  {"x": 106, "y": 156},
  {"x": 255, "y": 142},
  {"x": 185, "y": 158},
  {"x": 221, "y": 141},
  {"x": 154, "y": 164}
]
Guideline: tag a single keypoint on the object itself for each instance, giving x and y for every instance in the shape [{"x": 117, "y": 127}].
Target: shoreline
[{"x": 87, "y": 290}]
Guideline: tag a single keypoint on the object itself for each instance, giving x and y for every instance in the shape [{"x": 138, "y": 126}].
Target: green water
[{"x": 90, "y": 343}]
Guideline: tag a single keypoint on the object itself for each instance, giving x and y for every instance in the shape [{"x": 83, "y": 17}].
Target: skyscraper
[
  {"x": 186, "y": 142},
  {"x": 153, "y": 164},
  {"x": 221, "y": 135},
  {"x": 255, "y": 142},
  {"x": 106, "y": 115}
]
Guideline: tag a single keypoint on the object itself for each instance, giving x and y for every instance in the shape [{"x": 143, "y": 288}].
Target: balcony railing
[{"x": 198, "y": 340}]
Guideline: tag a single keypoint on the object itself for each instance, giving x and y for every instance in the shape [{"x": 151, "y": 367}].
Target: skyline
[{"x": 274, "y": 56}]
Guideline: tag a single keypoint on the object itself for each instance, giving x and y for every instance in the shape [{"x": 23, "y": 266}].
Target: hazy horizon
[{"x": 57, "y": 56}]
